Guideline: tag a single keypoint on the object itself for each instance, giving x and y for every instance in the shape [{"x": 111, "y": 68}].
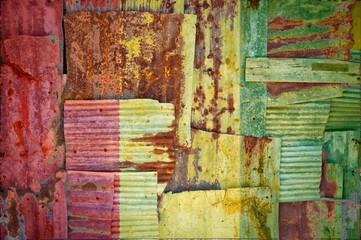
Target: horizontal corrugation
[
  {"x": 345, "y": 113},
  {"x": 306, "y": 119},
  {"x": 300, "y": 126},
  {"x": 135, "y": 205},
  {"x": 108, "y": 135}
]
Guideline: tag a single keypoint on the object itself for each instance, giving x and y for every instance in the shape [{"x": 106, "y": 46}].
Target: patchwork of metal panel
[
  {"x": 301, "y": 70},
  {"x": 216, "y": 87},
  {"x": 132, "y": 55},
  {"x": 27, "y": 215},
  {"x": 311, "y": 29},
  {"x": 135, "y": 205},
  {"x": 109, "y": 135},
  {"x": 345, "y": 113},
  {"x": 301, "y": 127},
  {"x": 32, "y": 147},
  {"x": 112, "y": 205},
  {"x": 164, "y": 6},
  {"x": 232, "y": 213},
  {"x": 230, "y": 161}
]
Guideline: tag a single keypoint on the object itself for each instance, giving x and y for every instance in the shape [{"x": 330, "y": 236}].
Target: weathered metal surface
[
  {"x": 34, "y": 18},
  {"x": 345, "y": 113},
  {"x": 311, "y": 29},
  {"x": 135, "y": 203},
  {"x": 35, "y": 215},
  {"x": 301, "y": 70},
  {"x": 31, "y": 89},
  {"x": 164, "y": 6},
  {"x": 332, "y": 180},
  {"x": 254, "y": 42},
  {"x": 112, "y": 135},
  {"x": 112, "y": 205},
  {"x": 301, "y": 127},
  {"x": 132, "y": 55},
  {"x": 90, "y": 204},
  {"x": 305, "y": 95},
  {"x": 232, "y": 213},
  {"x": 230, "y": 161},
  {"x": 216, "y": 83}
]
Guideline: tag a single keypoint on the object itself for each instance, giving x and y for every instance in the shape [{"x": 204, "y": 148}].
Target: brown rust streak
[
  {"x": 280, "y": 23},
  {"x": 275, "y": 89},
  {"x": 13, "y": 224}
]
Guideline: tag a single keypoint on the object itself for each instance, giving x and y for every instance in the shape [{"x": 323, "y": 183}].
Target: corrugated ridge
[
  {"x": 135, "y": 203},
  {"x": 345, "y": 113},
  {"x": 300, "y": 170},
  {"x": 108, "y": 135},
  {"x": 301, "y": 127}
]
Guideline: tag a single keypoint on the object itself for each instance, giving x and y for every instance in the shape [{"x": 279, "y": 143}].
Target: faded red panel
[
  {"x": 292, "y": 220},
  {"x": 30, "y": 117},
  {"x": 90, "y": 204}
]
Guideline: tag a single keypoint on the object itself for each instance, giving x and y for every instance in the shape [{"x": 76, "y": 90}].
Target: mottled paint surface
[
  {"x": 32, "y": 146},
  {"x": 216, "y": 86}
]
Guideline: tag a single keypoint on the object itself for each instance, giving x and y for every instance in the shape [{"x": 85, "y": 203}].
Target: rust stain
[
  {"x": 275, "y": 89},
  {"x": 89, "y": 187},
  {"x": 18, "y": 128},
  {"x": 280, "y": 23},
  {"x": 13, "y": 224},
  {"x": 254, "y": 4}
]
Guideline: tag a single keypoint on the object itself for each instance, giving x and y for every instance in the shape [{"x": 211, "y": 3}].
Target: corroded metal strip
[
  {"x": 108, "y": 135},
  {"x": 229, "y": 161},
  {"x": 311, "y": 29},
  {"x": 132, "y": 55},
  {"x": 217, "y": 70},
  {"x": 301, "y": 70},
  {"x": 232, "y": 213},
  {"x": 135, "y": 205},
  {"x": 31, "y": 91},
  {"x": 254, "y": 41}
]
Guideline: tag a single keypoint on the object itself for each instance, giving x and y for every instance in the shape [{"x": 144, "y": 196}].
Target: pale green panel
[
  {"x": 334, "y": 175},
  {"x": 254, "y": 44},
  {"x": 301, "y": 70}
]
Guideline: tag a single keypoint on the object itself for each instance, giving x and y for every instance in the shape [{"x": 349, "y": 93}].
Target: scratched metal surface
[{"x": 132, "y": 55}]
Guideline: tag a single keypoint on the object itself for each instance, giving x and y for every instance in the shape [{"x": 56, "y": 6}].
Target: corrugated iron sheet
[
  {"x": 254, "y": 39},
  {"x": 132, "y": 55},
  {"x": 32, "y": 146},
  {"x": 112, "y": 205},
  {"x": 164, "y": 6},
  {"x": 301, "y": 70},
  {"x": 232, "y": 213},
  {"x": 301, "y": 127},
  {"x": 345, "y": 113},
  {"x": 311, "y": 29},
  {"x": 217, "y": 68},
  {"x": 229, "y": 161},
  {"x": 111, "y": 135},
  {"x": 135, "y": 203},
  {"x": 27, "y": 215}
]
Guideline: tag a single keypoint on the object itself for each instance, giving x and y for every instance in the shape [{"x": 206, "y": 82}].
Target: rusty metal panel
[
  {"x": 35, "y": 215},
  {"x": 301, "y": 70},
  {"x": 230, "y": 161},
  {"x": 112, "y": 135},
  {"x": 254, "y": 41},
  {"x": 217, "y": 69},
  {"x": 112, "y": 205},
  {"x": 345, "y": 113},
  {"x": 135, "y": 205},
  {"x": 311, "y": 29},
  {"x": 31, "y": 90},
  {"x": 163, "y": 6},
  {"x": 132, "y": 55},
  {"x": 332, "y": 180},
  {"x": 232, "y": 213}
]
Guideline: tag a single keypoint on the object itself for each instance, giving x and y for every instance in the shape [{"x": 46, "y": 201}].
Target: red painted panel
[{"x": 32, "y": 146}]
